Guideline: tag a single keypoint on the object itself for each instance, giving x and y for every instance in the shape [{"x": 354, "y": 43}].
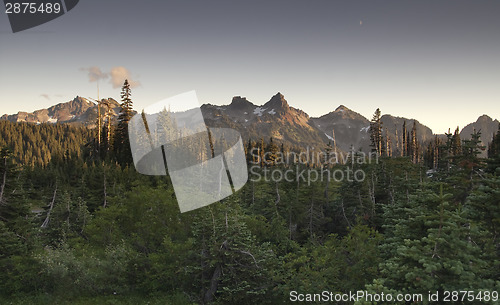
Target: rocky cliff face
[
  {"x": 347, "y": 127},
  {"x": 275, "y": 119},
  {"x": 486, "y": 125}
]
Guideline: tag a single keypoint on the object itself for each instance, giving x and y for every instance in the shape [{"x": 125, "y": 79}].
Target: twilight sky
[{"x": 436, "y": 61}]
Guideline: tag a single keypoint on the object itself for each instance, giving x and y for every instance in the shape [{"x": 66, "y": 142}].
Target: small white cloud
[
  {"x": 119, "y": 75},
  {"x": 116, "y": 76}
]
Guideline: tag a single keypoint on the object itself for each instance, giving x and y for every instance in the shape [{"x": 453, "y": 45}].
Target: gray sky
[{"x": 436, "y": 61}]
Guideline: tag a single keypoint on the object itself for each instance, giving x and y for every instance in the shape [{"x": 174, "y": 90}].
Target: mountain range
[
  {"x": 77, "y": 111},
  {"x": 276, "y": 119}
]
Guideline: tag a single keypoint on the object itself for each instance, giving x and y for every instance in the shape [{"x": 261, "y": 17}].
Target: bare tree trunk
[
  {"x": 328, "y": 178},
  {"x": 108, "y": 135},
  {"x": 372, "y": 189},
  {"x": 46, "y": 221},
  {"x": 343, "y": 212},
  {"x": 99, "y": 127},
  {"x": 398, "y": 148},
  {"x": 334, "y": 146},
  {"x": 214, "y": 283},
  {"x": 4, "y": 179},
  {"x": 227, "y": 224}
]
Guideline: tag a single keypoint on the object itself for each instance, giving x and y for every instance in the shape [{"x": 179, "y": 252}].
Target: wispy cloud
[
  {"x": 94, "y": 73},
  {"x": 117, "y": 75},
  {"x": 45, "y": 96}
]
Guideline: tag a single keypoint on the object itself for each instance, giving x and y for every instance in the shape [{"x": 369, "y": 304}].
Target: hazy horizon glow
[{"x": 436, "y": 62}]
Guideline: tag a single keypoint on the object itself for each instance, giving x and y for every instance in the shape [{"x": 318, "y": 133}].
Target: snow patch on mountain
[{"x": 259, "y": 111}]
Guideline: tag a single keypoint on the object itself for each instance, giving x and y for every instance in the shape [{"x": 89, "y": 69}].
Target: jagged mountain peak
[
  {"x": 80, "y": 99},
  {"x": 73, "y": 107},
  {"x": 275, "y": 119},
  {"x": 277, "y": 102},
  {"x": 342, "y": 108},
  {"x": 279, "y": 96},
  {"x": 78, "y": 110},
  {"x": 240, "y": 102},
  {"x": 484, "y": 118},
  {"x": 345, "y": 127},
  {"x": 485, "y": 124},
  {"x": 342, "y": 112}
]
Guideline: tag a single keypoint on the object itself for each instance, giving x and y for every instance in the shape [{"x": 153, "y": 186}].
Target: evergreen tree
[
  {"x": 272, "y": 150},
  {"x": 376, "y": 138},
  {"x": 122, "y": 142},
  {"x": 494, "y": 153},
  {"x": 232, "y": 266},
  {"x": 456, "y": 146},
  {"x": 13, "y": 206},
  {"x": 5, "y": 169},
  {"x": 346, "y": 263},
  {"x": 470, "y": 151},
  {"x": 421, "y": 254},
  {"x": 483, "y": 209}
]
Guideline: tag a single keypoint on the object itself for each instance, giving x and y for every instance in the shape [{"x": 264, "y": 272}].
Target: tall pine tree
[
  {"x": 122, "y": 143},
  {"x": 377, "y": 141},
  {"x": 494, "y": 153}
]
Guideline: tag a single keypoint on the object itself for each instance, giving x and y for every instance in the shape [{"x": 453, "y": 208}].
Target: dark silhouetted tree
[{"x": 122, "y": 143}]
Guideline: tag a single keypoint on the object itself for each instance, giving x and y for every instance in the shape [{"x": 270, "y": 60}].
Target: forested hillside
[
  {"x": 79, "y": 225},
  {"x": 32, "y": 144},
  {"x": 102, "y": 229}
]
